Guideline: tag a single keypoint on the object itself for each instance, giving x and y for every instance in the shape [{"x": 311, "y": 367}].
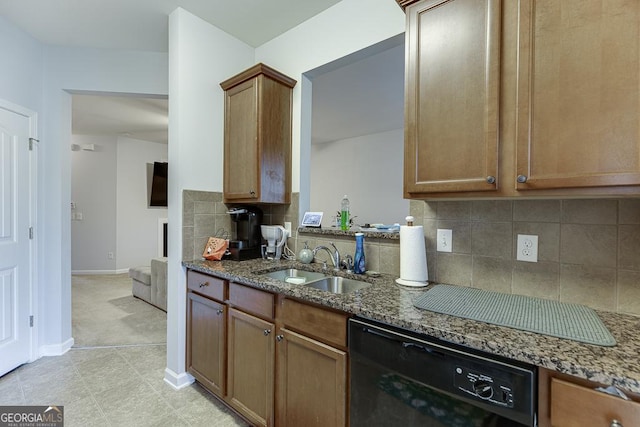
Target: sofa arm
[{"x": 159, "y": 283}]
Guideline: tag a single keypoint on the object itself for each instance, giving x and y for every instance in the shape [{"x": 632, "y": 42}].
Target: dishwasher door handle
[
  {"x": 400, "y": 340},
  {"x": 422, "y": 347}
]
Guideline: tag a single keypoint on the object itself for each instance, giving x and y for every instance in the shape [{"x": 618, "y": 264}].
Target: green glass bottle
[{"x": 344, "y": 214}]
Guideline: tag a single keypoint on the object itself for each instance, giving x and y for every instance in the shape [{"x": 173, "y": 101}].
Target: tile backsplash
[
  {"x": 588, "y": 250},
  {"x": 204, "y": 215}
]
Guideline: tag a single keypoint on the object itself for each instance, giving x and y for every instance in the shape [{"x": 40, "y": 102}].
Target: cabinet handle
[
  {"x": 491, "y": 179},
  {"x": 522, "y": 179},
  {"x": 219, "y": 311},
  {"x": 266, "y": 332},
  {"x": 615, "y": 423},
  {"x": 203, "y": 284},
  {"x": 279, "y": 338},
  {"x": 253, "y": 193}
]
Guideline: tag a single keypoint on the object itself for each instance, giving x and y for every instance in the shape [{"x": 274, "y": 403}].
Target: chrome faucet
[{"x": 335, "y": 256}]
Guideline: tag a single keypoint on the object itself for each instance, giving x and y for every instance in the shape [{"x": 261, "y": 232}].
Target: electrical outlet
[
  {"x": 110, "y": 255},
  {"x": 527, "y": 248},
  {"x": 287, "y": 226},
  {"x": 444, "y": 240}
]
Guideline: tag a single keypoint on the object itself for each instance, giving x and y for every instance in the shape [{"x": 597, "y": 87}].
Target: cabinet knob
[
  {"x": 203, "y": 284},
  {"x": 253, "y": 193},
  {"x": 219, "y": 311},
  {"x": 522, "y": 179},
  {"x": 279, "y": 338},
  {"x": 266, "y": 332},
  {"x": 491, "y": 179},
  {"x": 615, "y": 423}
]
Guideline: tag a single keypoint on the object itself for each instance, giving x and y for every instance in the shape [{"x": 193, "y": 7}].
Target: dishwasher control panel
[{"x": 483, "y": 386}]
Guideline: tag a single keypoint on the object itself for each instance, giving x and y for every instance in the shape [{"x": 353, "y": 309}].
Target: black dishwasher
[{"x": 400, "y": 378}]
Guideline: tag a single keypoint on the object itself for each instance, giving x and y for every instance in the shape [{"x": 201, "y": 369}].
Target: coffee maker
[{"x": 247, "y": 239}]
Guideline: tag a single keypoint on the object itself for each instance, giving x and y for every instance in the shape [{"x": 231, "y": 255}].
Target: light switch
[{"x": 444, "y": 239}]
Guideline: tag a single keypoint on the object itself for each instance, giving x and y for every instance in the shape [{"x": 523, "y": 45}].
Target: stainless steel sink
[
  {"x": 295, "y": 276},
  {"x": 338, "y": 285},
  {"x": 312, "y": 279}
]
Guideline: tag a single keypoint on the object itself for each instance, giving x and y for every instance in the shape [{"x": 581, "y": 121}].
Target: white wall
[
  {"x": 21, "y": 73},
  {"x": 200, "y": 57},
  {"x": 368, "y": 169},
  {"x": 93, "y": 190},
  {"x": 137, "y": 223},
  {"x": 65, "y": 70},
  {"x": 341, "y": 30},
  {"x": 109, "y": 189}
]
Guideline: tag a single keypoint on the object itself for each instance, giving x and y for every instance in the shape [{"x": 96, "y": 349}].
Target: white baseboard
[
  {"x": 56, "y": 349},
  {"x": 97, "y": 272},
  {"x": 177, "y": 381}
]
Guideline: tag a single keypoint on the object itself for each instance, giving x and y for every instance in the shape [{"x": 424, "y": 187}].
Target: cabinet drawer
[
  {"x": 252, "y": 300},
  {"x": 326, "y": 325},
  {"x": 574, "y": 405},
  {"x": 206, "y": 285}
]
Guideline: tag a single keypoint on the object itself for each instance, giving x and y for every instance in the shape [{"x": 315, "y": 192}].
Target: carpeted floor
[{"x": 105, "y": 313}]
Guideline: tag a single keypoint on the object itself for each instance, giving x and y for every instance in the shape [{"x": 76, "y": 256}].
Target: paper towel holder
[{"x": 405, "y": 281}]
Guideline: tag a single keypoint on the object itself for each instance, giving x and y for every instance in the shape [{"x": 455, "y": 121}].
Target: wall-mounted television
[{"x": 158, "y": 195}]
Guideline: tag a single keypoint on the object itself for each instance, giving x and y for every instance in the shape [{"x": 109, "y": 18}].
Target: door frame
[{"x": 32, "y": 116}]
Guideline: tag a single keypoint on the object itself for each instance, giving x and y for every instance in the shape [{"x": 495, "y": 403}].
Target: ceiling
[
  {"x": 361, "y": 95},
  {"x": 359, "y": 98},
  {"x": 143, "y": 24},
  {"x": 128, "y": 116}
]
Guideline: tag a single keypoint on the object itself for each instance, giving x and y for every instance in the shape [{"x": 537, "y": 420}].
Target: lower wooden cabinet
[
  {"x": 206, "y": 342},
  {"x": 312, "y": 379},
  {"x": 573, "y": 405},
  {"x": 568, "y": 401},
  {"x": 251, "y": 367},
  {"x": 275, "y": 366}
]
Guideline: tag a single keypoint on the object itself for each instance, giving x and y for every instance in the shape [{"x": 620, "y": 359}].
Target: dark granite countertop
[
  {"x": 390, "y": 303},
  {"x": 332, "y": 231}
]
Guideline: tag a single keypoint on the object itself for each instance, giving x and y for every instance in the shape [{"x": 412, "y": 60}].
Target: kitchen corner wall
[
  {"x": 588, "y": 250},
  {"x": 204, "y": 215}
]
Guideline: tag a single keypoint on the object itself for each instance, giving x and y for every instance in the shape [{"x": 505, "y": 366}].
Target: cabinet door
[
  {"x": 452, "y": 96},
  {"x": 576, "y": 406},
  {"x": 206, "y": 342},
  {"x": 251, "y": 367},
  {"x": 241, "y": 166},
  {"x": 312, "y": 381},
  {"x": 578, "y": 118}
]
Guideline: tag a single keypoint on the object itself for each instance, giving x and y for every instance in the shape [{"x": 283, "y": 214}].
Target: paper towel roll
[{"x": 413, "y": 257}]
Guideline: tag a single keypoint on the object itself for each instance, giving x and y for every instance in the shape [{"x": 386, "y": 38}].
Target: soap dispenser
[{"x": 358, "y": 259}]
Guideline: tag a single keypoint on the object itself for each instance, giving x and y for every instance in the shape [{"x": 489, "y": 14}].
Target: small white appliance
[{"x": 276, "y": 237}]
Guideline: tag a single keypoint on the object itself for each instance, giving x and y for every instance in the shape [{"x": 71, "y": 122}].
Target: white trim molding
[
  {"x": 56, "y": 349},
  {"x": 177, "y": 381}
]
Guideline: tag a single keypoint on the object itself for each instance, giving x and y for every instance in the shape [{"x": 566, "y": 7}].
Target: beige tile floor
[
  {"x": 114, "y": 374},
  {"x": 113, "y": 386}
]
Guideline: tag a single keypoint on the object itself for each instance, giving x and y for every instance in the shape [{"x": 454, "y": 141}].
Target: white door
[{"x": 15, "y": 262}]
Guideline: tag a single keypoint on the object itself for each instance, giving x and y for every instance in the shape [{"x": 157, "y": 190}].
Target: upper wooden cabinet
[
  {"x": 578, "y": 120},
  {"x": 539, "y": 94},
  {"x": 257, "y": 136},
  {"x": 452, "y": 96}
]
